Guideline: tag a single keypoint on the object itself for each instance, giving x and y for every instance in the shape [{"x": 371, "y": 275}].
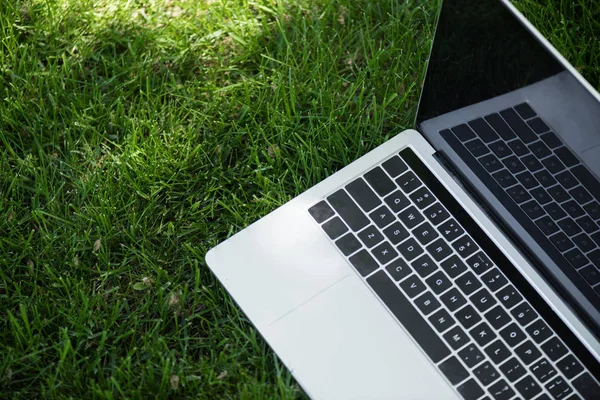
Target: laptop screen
[{"x": 481, "y": 51}]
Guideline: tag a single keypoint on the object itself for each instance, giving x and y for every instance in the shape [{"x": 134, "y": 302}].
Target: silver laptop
[{"x": 458, "y": 260}]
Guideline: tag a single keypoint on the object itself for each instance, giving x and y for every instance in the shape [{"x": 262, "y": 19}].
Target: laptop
[{"x": 458, "y": 260}]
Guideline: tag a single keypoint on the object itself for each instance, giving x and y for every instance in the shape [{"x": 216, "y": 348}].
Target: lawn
[{"x": 137, "y": 134}]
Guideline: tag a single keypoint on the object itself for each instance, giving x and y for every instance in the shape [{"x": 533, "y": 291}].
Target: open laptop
[{"x": 457, "y": 260}]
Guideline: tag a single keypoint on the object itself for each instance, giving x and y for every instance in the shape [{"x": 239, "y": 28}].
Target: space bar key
[{"x": 408, "y": 316}]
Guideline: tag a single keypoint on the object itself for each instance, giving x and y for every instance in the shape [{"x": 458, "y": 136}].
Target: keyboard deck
[
  {"x": 542, "y": 184},
  {"x": 469, "y": 310}
]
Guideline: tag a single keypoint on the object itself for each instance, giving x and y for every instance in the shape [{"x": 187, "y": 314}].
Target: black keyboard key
[
  {"x": 501, "y": 390},
  {"x": 483, "y": 300},
  {"x": 363, "y": 194},
  {"x": 545, "y": 178},
  {"x": 588, "y": 180},
  {"x": 486, "y": 373},
  {"x": 509, "y": 297},
  {"x": 491, "y": 163},
  {"x": 424, "y": 266},
  {"x": 519, "y": 194},
  {"x": 539, "y": 149},
  {"x": 573, "y": 209},
  {"x": 554, "y": 349},
  {"x": 523, "y": 313},
  {"x": 453, "y": 300},
  {"x": 505, "y": 178},
  {"x": 380, "y": 181},
  {"x": 363, "y": 262},
  {"x": 532, "y": 163},
  {"x": 527, "y": 180},
  {"x": 479, "y": 263},
  {"x": 558, "y": 193},
  {"x": 587, "y": 387},
  {"x": 467, "y": 283},
  {"x": 370, "y": 236},
  {"x": 541, "y": 195},
  {"x": 528, "y": 388},
  {"x": 408, "y": 182},
  {"x": 596, "y": 238},
  {"x": 453, "y": 266},
  {"x": 427, "y": 303},
  {"x": 567, "y": 180},
  {"x": 477, "y": 148},
  {"x": 384, "y": 253},
  {"x": 348, "y": 210},
  {"x": 496, "y": 122},
  {"x": 539, "y": 331},
  {"x": 533, "y": 209},
  {"x": 395, "y": 166},
  {"x": 512, "y": 335},
  {"x": 522, "y": 130},
  {"x": 436, "y": 214},
  {"x": 500, "y": 149},
  {"x": 439, "y": 249},
  {"x": 584, "y": 242},
  {"x": 441, "y": 320},
  {"x": 590, "y": 274},
  {"x": 409, "y": 317},
  {"x": 538, "y": 125},
  {"x": 553, "y": 165},
  {"x": 555, "y": 211},
  {"x": 569, "y": 366},
  {"x": 494, "y": 279},
  {"x": 497, "y": 317},
  {"x": 513, "y": 164},
  {"x": 453, "y": 370},
  {"x": 566, "y": 156},
  {"x": 382, "y": 216},
  {"x": 594, "y": 257},
  {"x": 581, "y": 195},
  {"x": 569, "y": 226},
  {"x": 497, "y": 351},
  {"x": 398, "y": 269},
  {"x": 410, "y": 217},
  {"x": 593, "y": 210},
  {"x": 559, "y": 388},
  {"x": 513, "y": 369},
  {"x": 519, "y": 148},
  {"x": 546, "y": 225},
  {"x": 463, "y": 132},
  {"x": 422, "y": 197},
  {"x": 396, "y": 232},
  {"x": 470, "y": 390},
  {"x": 412, "y": 286},
  {"x": 465, "y": 246},
  {"x": 321, "y": 212},
  {"x": 397, "y": 201},
  {"x": 468, "y": 317},
  {"x": 450, "y": 230},
  {"x": 527, "y": 352},
  {"x": 543, "y": 370},
  {"x": 410, "y": 249},
  {"x": 348, "y": 244},
  {"x": 576, "y": 258},
  {"x": 334, "y": 228},
  {"x": 561, "y": 242},
  {"x": 483, "y": 130},
  {"x": 587, "y": 224},
  {"x": 482, "y": 334},
  {"x": 525, "y": 111},
  {"x": 551, "y": 140},
  {"x": 471, "y": 355},
  {"x": 456, "y": 337},
  {"x": 438, "y": 282}
]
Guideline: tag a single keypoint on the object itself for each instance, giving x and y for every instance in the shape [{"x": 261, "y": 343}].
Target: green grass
[{"x": 137, "y": 134}]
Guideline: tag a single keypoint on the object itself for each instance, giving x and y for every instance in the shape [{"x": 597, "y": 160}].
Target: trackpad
[{"x": 344, "y": 344}]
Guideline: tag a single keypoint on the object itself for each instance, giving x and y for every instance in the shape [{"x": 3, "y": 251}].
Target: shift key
[
  {"x": 348, "y": 210},
  {"x": 408, "y": 316}
]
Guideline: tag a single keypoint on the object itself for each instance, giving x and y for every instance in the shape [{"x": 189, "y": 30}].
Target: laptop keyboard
[
  {"x": 542, "y": 183},
  {"x": 451, "y": 288}
]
